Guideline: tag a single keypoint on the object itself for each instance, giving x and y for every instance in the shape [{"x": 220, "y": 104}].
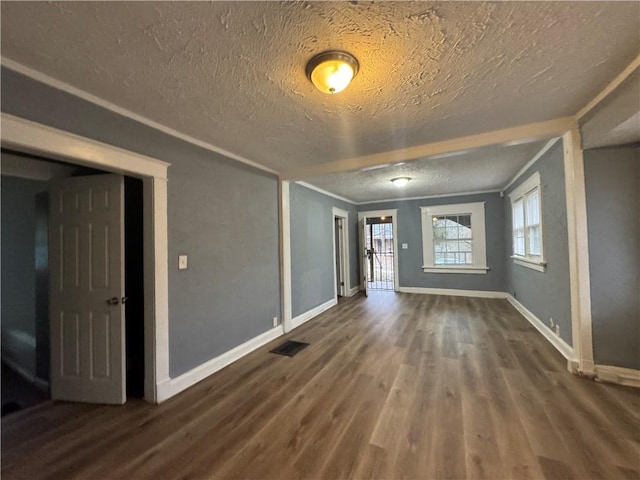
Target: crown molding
[{"x": 77, "y": 92}]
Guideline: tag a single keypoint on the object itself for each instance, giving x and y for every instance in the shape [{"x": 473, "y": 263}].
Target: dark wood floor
[{"x": 392, "y": 386}]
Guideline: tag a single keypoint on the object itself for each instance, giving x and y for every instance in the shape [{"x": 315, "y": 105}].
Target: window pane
[
  {"x": 469, "y": 258},
  {"x": 533, "y": 208},
  {"x": 452, "y": 233},
  {"x": 534, "y": 240},
  {"x": 518, "y": 215},
  {"x": 452, "y": 246},
  {"x": 439, "y": 247},
  {"x": 464, "y": 232},
  {"x": 520, "y": 246},
  {"x": 464, "y": 220},
  {"x": 439, "y": 222},
  {"x": 465, "y": 246},
  {"x": 439, "y": 258}
]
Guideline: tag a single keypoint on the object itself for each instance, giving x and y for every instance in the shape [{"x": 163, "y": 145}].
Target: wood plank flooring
[{"x": 392, "y": 386}]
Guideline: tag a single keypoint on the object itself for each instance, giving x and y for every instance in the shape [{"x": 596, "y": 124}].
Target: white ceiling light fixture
[
  {"x": 332, "y": 71},
  {"x": 400, "y": 181}
]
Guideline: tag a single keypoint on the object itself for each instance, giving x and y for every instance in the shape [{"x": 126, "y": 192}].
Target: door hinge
[{"x": 342, "y": 284}]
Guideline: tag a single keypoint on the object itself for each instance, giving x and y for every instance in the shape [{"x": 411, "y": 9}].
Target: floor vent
[{"x": 290, "y": 348}]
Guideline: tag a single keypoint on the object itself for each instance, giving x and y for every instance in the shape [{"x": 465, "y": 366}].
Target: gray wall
[
  {"x": 312, "y": 260},
  {"x": 223, "y": 214},
  {"x": 612, "y": 179},
  {"x": 18, "y": 240},
  {"x": 545, "y": 294},
  {"x": 410, "y": 231}
]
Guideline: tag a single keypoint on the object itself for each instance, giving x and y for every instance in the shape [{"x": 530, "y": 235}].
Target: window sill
[
  {"x": 454, "y": 269},
  {"x": 532, "y": 264}
]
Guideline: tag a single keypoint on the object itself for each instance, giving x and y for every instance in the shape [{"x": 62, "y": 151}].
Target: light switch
[
  {"x": 182, "y": 262},
  {"x": 405, "y": 246}
]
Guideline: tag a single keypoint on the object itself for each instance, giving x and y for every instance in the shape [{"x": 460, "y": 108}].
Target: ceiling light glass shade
[
  {"x": 331, "y": 72},
  {"x": 400, "y": 181}
]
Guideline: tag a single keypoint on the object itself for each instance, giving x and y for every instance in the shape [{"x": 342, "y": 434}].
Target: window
[
  {"x": 453, "y": 238},
  {"x": 526, "y": 216}
]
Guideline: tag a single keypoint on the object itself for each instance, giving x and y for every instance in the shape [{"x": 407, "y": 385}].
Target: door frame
[
  {"x": 343, "y": 215},
  {"x": 35, "y": 138},
  {"x": 393, "y": 213}
]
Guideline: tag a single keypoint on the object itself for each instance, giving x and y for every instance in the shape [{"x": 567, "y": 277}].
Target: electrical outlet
[
  {"x": 182, "y": 262},
  {"x": 275, "y": 321},
  {"x": 557, "y": 329}
]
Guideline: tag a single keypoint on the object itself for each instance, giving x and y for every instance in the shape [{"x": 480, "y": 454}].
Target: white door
[
  {"x": 364, "y": 254},
  {"x": 86, "y": 252}
]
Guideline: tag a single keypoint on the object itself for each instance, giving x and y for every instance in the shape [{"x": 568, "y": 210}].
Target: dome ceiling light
[
  {"x": 400, "y": 181},
  {"x": 332, "y": 71}
]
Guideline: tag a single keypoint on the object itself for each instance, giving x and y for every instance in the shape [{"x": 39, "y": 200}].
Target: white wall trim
[
  {"x": 354, "y": 290},
  {"x": 454, "y": 292},
  {"x": 31, "y": 137},
  {"x": 524, "y": 262},
  {"x": 26, "y": 136},
  {"x": 314, "y": 312},
  {"x": 619, "y": 375},
  {"x": 577, "y": 233},
  {"x": 325, "y": 192},
  {"x": 65, "y": 87},
  {"x": 428, "y": 197},
  {"x": 172, "y": 387},
  {"x": 393, "y": 213},
  {"x": 528, "y": 165},
  {"x": 344, "y": 257},
  {"x": 285, "y": 245},
  {"x": 563, "y": 347},
  {"x": 615, "y": 83}
]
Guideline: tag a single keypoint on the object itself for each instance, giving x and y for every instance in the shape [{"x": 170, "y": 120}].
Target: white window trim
[
  {"x": 476, "y": 210},
  {"x": 539, "y": 263}
]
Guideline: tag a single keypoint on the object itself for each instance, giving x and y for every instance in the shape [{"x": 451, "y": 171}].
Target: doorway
[
  {"x": 380, "y": 261},
  {"x": 38, "y": 139},
  {"x": 378, "y": 250},
  {"x": 26, "y": 206},
  {"x": 341, "y": 252}
]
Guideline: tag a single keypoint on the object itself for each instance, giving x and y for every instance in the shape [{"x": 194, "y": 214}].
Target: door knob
[
  {"x": 113, "y": 301},
  {"x": 124, "y": 300}
]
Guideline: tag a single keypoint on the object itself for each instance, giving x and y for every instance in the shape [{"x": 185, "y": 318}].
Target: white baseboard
[
  {"x": 314, "y": 312},
  {"x": 453, "y": 292},
  {"x": 354, "y": 290},
  {"x": 170, "y": 387},
  {"x": 619, "y": 375},
  {"x": 37, "y": 382},
  {"x": 563, "y": 347}
]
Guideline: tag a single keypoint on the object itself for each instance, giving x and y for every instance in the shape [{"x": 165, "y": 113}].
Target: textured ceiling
[
  {"x": 232, "y": 73},
  {"x": 489, "y": 168}
]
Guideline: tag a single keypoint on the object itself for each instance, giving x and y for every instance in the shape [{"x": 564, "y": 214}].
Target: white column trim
[
  {"x": 285, "y": 241},
  {"x": 31, "y": 137},
  {"x": 340, "y": 213},
  {"x": 578, "y": 252}
]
